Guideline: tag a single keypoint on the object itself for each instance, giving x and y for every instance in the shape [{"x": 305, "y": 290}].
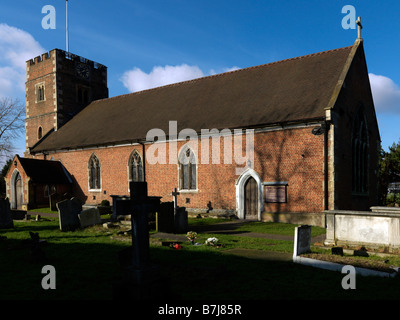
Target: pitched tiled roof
[
  {"x": 45, "y": 171},
  {"x": 286, "y": 91}
]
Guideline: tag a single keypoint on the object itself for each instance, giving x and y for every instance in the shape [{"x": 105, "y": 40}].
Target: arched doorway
[
  {"x": 249, "y": 180},
  {"x": 251, "y": 199},
  {"x": 16, "y": 190}
]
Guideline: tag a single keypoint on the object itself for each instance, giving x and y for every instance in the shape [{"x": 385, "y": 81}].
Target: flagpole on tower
[{"x": 66, "y": 7}]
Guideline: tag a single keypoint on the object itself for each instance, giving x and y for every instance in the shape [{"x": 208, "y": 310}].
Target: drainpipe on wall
[
  {"x": 144, "y": 160},
  {"x": 326, "y": 169}
]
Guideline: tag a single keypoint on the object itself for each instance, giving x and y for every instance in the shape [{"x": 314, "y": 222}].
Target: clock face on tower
[{"x": 82, "y": 70}]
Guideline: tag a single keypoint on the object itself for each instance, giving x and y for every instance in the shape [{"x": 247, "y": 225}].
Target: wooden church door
[
  {"x": 251, "y": 199},
  {"x": 18, "y": 191}
]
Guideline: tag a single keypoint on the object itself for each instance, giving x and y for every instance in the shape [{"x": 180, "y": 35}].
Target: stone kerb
[{"x": 302, "y": 242}]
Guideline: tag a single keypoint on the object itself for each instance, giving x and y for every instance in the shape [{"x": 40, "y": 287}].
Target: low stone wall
[{"x": 378, "y": 228}]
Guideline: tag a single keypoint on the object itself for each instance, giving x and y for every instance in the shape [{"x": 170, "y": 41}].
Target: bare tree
[{"x": 12, "y": 114}]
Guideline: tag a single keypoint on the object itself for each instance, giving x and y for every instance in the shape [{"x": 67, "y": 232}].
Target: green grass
[
  {"x": 86, "y": 263},
  {"x": 42, "y": 210},
  {"x": 277, "y": 228}
]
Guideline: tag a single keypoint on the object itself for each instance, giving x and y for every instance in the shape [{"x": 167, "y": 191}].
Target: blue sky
[{"x": 142, "y": 42}]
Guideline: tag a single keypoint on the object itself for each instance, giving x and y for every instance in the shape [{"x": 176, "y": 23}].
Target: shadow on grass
[{"x": 88, "y": 269}]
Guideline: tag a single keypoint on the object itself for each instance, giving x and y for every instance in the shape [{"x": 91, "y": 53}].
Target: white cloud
[
  {"x": 386, "y": 94},
  {"x": 16, "y": 47},
  {"x": 137, "y": 80}
]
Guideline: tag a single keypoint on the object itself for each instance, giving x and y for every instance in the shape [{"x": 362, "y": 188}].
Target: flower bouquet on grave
[
  {"x": 191, "y": 235},
  {"x": 212, "y": 242}
]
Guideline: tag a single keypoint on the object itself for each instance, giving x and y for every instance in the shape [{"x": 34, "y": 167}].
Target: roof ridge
[{"x": 224, "y": 73}]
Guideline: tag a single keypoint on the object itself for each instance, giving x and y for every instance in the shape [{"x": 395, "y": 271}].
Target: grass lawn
[{"x": 86, "y": 264}]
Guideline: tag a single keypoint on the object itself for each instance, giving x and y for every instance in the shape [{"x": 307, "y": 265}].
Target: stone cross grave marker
[
  {"x": 180, "y": 215},
  {"x": 175, "y": 194},
  {"x": 302, "y": 240},
  {"x": 6, "y": 220},
  {"x": 142, "y": 205}
]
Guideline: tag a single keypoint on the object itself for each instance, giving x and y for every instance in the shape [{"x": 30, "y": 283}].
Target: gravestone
[
  {"x": 181, "y": 220},
  {"x": 6, "y": 220},
  {"x": 54, "y": 198},
  {"x": 337, "y": 251},
  {"x": 165, "y": 218},
  {"x": 89, "y": 217},
  {"x": 180, "y": 215},
  {"x": 302, "y": 240},
  {"x": 120, "y": 206},
  {"x": 142, "y": 279},
  {"x": 68, "y": 211},
  {"x": 142, "y": 205}
]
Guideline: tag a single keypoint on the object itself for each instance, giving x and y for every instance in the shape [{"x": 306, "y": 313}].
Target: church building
[{"x": 282, "y": 141}]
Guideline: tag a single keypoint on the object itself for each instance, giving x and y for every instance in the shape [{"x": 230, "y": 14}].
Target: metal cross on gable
[{"x": 359, "y": 27}]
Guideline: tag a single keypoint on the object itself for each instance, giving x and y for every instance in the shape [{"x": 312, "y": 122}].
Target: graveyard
[{"x": 219, "y": 259}]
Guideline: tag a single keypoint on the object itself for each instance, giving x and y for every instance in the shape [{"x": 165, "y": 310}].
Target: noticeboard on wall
[{"x": 275, "y": 192}]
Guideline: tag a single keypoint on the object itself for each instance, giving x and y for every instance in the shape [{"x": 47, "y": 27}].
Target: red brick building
[{"x": 312, "y": 143}]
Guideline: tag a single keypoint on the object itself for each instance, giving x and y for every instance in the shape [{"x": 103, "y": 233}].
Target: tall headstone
[
  {"x": 6, "y": 220},
  {"x": 120, "y": 206},
  {"x": 165, "y": 218},
  {"x": 181, "y": 220},
  {"x": 302, "y": 240},
  {"x": 68, "y": 211},
  {"x": 54, "y": 198}
]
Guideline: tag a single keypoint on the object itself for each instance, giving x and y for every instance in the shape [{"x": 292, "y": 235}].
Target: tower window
[
  {"x": 83, "y": 95},
  {"x": 40, "y": 133},
  {"x": 40, "y": 92}
]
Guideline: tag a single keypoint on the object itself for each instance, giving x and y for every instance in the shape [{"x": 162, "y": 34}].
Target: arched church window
[
  {"x": 187, "y": 169},
  {"x": 360, "y": 154},
  {"x": 94, "y": 173},
  {"x": 135, "y": 167}
]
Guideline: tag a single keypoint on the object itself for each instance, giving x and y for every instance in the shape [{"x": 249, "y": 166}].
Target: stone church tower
[{"x": 58, "y": 86}]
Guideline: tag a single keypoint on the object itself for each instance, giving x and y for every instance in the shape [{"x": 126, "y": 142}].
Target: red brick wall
[
  {"x": 293, "y": 155},
  {"x": 58, "y": 74},
  {"x": 39, "y": 113},
  {"x": 355, "y": 95}
]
